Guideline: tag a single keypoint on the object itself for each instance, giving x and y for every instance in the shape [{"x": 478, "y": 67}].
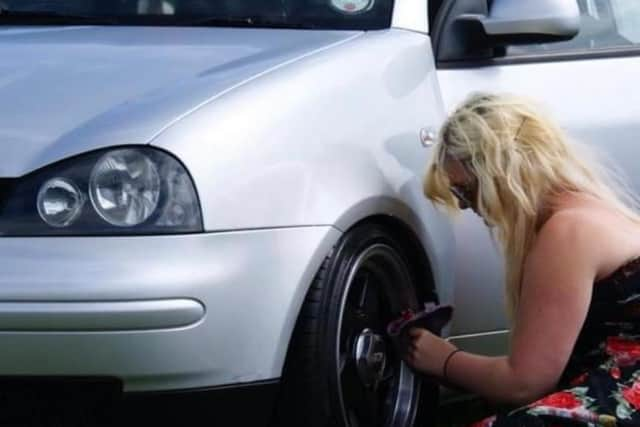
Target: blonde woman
[{"x": 571, "y": 245}]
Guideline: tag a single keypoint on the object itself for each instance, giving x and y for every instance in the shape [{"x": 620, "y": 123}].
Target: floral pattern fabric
[{"x": 601, "y": 383}]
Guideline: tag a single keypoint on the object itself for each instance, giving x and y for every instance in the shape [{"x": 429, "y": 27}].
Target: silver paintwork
[
  {"x": 246, "y": 280},
  {"x": 291, "y": 137},
  {"x": 100, "y": 316},
  {"x": 74, "y": 89},
  {"x": 551, "y": 17},
  {"x": 275, "y": 158},
  {"x": 271, "y": 124}
]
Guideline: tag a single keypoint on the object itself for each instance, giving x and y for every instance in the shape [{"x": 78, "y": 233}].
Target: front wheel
[{"x": 341, "y": 368}]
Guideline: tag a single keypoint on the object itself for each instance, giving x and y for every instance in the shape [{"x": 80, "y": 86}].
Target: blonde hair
[{"x": 520, "y": 158}]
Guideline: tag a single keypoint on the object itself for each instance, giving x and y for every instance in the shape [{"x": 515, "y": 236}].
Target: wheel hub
[{"x": 370, "y": 354}]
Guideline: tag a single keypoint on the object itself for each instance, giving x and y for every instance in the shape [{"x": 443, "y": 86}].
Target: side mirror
[{"x": 530, "y": 21}]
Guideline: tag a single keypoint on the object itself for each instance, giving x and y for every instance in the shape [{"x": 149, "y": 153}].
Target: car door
[{"x": 590, "y": 84}]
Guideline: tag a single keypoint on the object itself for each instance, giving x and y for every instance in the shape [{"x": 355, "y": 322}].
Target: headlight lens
[
  {"x": 59, "y": 202},
  {"x": 137, "y": 190},
  {"x": 125, "y": 187}
]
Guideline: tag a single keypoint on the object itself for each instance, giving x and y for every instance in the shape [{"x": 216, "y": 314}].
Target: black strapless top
[{"x": 612, "y": 320}]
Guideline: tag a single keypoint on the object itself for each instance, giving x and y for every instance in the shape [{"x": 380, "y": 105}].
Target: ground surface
[{"x": 465, "y": 412}]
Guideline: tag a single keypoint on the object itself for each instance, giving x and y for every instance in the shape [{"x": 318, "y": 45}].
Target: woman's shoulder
[
  {"x": 575, "y": 224},
  {"x": 593, "y": 233},
  {"x": 577, "y": 214}
]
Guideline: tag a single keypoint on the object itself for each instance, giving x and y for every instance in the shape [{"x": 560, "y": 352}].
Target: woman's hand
[{"x": 427, "y": 352}]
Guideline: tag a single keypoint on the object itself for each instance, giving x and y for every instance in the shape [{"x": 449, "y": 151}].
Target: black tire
[{"x": 322, "y": 384}]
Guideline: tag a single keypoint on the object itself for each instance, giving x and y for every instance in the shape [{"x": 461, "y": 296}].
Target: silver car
[{"x": 221, "y": 200}]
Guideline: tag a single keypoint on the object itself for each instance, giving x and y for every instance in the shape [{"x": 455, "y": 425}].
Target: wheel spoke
[
  {"x": 361, "y": 401},
  {"x": 353, "y": 323},
  {"x": 350, "y": 385},
  {"x": 353, "y": 418},
  {"x": 345, "y": 359},
  {"x": 362, "y": 298},
  {"x": 369, "y": 297},
  {"x": 388, "y": 375},
  {"x": 373, "y": 401},
  {"x": 388, "y": 401},
  {"x": 387, "y": 392},
  {"x": 364, "y": 401}
]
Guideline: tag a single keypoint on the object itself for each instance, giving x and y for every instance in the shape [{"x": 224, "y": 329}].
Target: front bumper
[{"x": 156, "y": 312}]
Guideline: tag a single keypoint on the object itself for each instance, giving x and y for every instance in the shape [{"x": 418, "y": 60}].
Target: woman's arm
[{"x": 556, "y": 292}]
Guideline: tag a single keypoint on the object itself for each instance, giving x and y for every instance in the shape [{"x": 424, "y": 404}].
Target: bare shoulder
[
  {"x": 574, "y": 238},
  {"x": 574, "y": 226}
]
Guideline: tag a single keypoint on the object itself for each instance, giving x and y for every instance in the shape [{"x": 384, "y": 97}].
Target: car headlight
[
  {"x": 137, "y": 190},
  {"x": 125, "y": 187},
  {"x": 60, "y": 202}
]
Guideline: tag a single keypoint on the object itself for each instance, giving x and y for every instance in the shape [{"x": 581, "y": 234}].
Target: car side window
[{"x": 605, "y": 25}]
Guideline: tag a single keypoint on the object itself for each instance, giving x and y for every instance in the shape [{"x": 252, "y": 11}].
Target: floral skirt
[{"x": 608, "y": 396}]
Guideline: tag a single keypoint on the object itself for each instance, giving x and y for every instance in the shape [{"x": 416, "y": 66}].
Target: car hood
[{"x": 67, "y": 90}]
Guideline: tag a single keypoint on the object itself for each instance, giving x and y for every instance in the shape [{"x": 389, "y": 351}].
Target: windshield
[{"x": 313, "y": 14}]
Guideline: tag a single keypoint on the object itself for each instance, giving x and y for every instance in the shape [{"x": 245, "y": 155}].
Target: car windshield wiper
[
  {"x": 42, "y": 17},
  {"x": 246, "y": 21}
]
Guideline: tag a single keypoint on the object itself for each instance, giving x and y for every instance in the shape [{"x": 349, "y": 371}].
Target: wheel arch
[
  {"x": 407, "y": 237},
  {"x": 414, "y": 250},
  {"x": 408, "y": 242}
]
